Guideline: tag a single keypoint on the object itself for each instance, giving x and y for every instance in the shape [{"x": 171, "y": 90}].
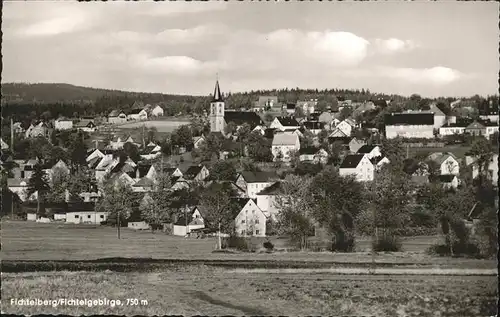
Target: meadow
[
  {"x": 29, "y": 241},
  {"x": 203, "y": 290},
  {"x": 161, "y": 125},
  {"x": 457, "y": 150}
]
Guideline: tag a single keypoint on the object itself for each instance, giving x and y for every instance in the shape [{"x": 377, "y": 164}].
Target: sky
[{"x": 433, "y": 49}]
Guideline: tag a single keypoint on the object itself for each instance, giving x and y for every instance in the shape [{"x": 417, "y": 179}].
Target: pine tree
[{"x": 38, "y": 182}]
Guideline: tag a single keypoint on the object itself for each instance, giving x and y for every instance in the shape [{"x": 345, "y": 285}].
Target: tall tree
[
  {"x": 216, "y": 200},
  {"x": 117, "y": 201},
  {"x": 59, "y": 185},
  {"x": 293, "y": 203},
  {"x": 223, "y": 170},
  {"x": 39, "y": 183},
  {"x": 182, "y": 136}
]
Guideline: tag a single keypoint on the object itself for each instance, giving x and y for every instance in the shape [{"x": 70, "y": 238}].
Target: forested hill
[{"x": 46, "y": 93}]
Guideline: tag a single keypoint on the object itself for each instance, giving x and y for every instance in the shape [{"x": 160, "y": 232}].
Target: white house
[
  {"x": 370, "y": 150},
  {"x": 448, "y": 163},
  {"x": 118, "y": 142},
  {"x": 254, "y": 182},
  {"x": 358, "y": 165},
  {"x": 283, "y": 144},
  {"x": 137, "y": 114},
  {"x": 90, "y": 217},
  {"x": 86, "y": 125},
  {"x": 157, "y": 111},
  {"x": 492, "y": 168},
  {"x": 439, "y": 116},
  {"x": 267, "y": 200},
  {"x": 409, "y": 125},
  {"x": 452, "y": 129},
  {"x": 249, "y": 220},
  {"x": 313, "y": 155},
  {"x": 19, "y": 187},
  {"x": 151, "y": 151},
  {"x": 490, "y": 117},
  {"x": 345, "y": 127},
  {"x": 117, "y": 117},
  {"x": 192, "y": 221},
  {"x": 196, "y": 173},
  {"x": 63, "y": 124},
  {"x": 198, "y": 141},
  {"x": 307, "y": 106},
  {"x": 284, "y": 123},
  {"x": 138, "y": 225},
  {"x": 491, "y": 127},
  {"x": 5, "y": 146},
  {"x": 94, "y": 154}
]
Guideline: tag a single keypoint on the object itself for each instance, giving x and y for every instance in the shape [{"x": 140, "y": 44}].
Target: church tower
[{"x": 217, "y": 111}]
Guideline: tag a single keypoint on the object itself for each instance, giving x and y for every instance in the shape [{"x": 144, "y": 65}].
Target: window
[
  {"x": 242, "y": 232},
  {"x": 253, "y": 211},
  {"x": 220, "y": 109},
  {"x": 257, "y": 231},
  {"x": 77, "y": 216},
  {"x": 242, "y": 221},
  {"x": 22, "y": 174},
  {"x": 101, "y": 216},
  {"x": 256, "y": 221},
  {"x": 88, "y": 216}
]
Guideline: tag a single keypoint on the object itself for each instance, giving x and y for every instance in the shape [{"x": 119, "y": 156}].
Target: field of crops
[
  {"x": 160, "y": 125},
  {"x": 23, "y": 240},
  {"x": 212, "y": 291}
]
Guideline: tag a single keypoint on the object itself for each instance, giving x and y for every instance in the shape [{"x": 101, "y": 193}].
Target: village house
[
  {"x": 86, "y": 125},
  {"x": 283, "y": 144},
  {"x": 87, "y": 217},
  {"x": 18, "y": 128},
  {"x": 198, "y": 141},
  {"x": 452, "y": 129},
  {"x": 157, "y": 111},
  {"x": 254, "y": 182},
  {"x": 492, "y": 167},
  {"x": 370, "y": 150},
  {"x": 315, "y": 127},
  {"x": 117, "y": 117},
  {"x": 289, "y": 108},
  {"x": 118, "y": 142},
  {"x": 284, "y": 123},
  {"x": 313, "y": 155},
  {"x": 358, "y": 165},
  {"x": 449, "y": 181},
  {"x": 345, "y": 127},
  {"x": 447, "y": 162},
  {"x": 409, "y": 125},
  {"x": 63, "y": 124},
  {"x": 137, "y": 115},
  {"x": 23, "y": 168},
  {"x": 40, "y": 129},
  {"x": 439, "y": 116},
  {"x": 364, "y": 107},
  {"x": 5, "y": 146},
  {"x": 476, "y": 128},
  {"x": 249, "y": 219},
  {"x": 193, "y": 220},
  {"x": 267, "y": 200},
  {"x": 266, "y": 102},
  {"x": 307, "y": 106},
  {"x": 151, "y": 151},
  {"x": 197, "y": 173},
  {"x": 19, "y": 186},
  {"x": 491, "y": 128}
]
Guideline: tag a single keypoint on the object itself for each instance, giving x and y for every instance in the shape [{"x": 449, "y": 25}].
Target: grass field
[
  {"x": 211, "y": 291},
  {"x": 23, "y": 240},
  {"x": 459, "y": 151},
  {"x": 160, "y": 125}
]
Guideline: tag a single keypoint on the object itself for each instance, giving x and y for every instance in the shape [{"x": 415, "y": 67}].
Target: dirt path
[{"x": 244, "y": 309}]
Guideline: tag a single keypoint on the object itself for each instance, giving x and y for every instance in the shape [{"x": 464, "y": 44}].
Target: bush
[
  {"x": 268, "y": 245},
  {"x": 459, "y": 249},
  {"x": 239, "y": 243},
  {"x": 387, "y": 243},
  {"x": 344, "y": 244}
]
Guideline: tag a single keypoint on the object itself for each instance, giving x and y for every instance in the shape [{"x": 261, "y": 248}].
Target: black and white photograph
[{"x": 249, "y": 158}]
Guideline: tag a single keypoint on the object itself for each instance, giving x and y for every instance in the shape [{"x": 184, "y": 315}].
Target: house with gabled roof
[
  {"x": 492, "y": 167},
  {"x": 249, "y": 219},
  {"x": 284, "y": 123},
  {"x": 63, "y": 123},
  {"x": 117, "y": 117},
  {"x": 254, "y": 182},
  {"x": 415, "y": 124},
  {"x": 170, "y": 171},
  {"x": 283, "y": 145},
  {"x": 151, "y": 151},
  {"x": 358, "y": 165},
  {"x": 198, "y": 141},
  {"x": 289, "y": 108},
  {"x": 267, "y": 200},
  {"x": 315, "y": 127},
  {"x": 371, "y": 150},
  {"x": 157, "y": 111},
  {"x": 196, "y": 173},
  {"x": 137, "y": 114},
  {"x": 86, "y": 125},
  {"x": 39, "y": 129},
  {"x": 191, "y": 221},
  {"x": 447, "y": 162},
  {"x": 313, "y": 155}
]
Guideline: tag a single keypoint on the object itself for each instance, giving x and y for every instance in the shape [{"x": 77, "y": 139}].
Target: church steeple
[{"x": 217, "y": 93}]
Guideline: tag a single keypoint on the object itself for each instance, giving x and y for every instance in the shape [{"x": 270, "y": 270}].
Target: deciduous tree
[{"x": 117, "y": 201}]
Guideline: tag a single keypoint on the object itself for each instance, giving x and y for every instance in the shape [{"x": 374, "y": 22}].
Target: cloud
[
  {"x": 174, "y": 8},
  {"x": 435, "y": 76},
  {"x": 180, "y": 65},
  {"x": 393, "y": 45}
]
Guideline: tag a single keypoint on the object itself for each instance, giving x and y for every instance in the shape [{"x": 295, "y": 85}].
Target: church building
[{"x": 219, "y": 117}]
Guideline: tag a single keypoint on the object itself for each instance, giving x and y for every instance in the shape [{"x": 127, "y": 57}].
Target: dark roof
[
  {"x": 446, "y": 178},
  {"x": 351, "y": 161},
  {"x": 143, "y": 169},
  {"x": 288, "y": 121},
  {"x": 258, "y": 177},
  {"x": 309, "y": 150},
  {"x": 313, "y": 125},
  {"x": 269, "y": 133},
  {"x": 134, "y": 111},
  {"x": 376, "y": 159},
  {"x": 343, "y": 140},
  {"x": 366, "y": 149},
  {"x": 290, "y": 106},
  {"x": 271, "y": 190},
  {"x": 415, "y": 118},
  {"x": 192, "y": 171},
  {"x": 242, "y": 117},
  {"x": 217, "y": 94}
]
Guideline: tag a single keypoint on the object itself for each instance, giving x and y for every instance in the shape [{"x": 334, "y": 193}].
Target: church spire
[{"x": 217, "y": 93}]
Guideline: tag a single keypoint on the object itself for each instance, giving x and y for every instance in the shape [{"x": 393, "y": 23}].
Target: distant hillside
[{"x": 45, "y": 93}]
